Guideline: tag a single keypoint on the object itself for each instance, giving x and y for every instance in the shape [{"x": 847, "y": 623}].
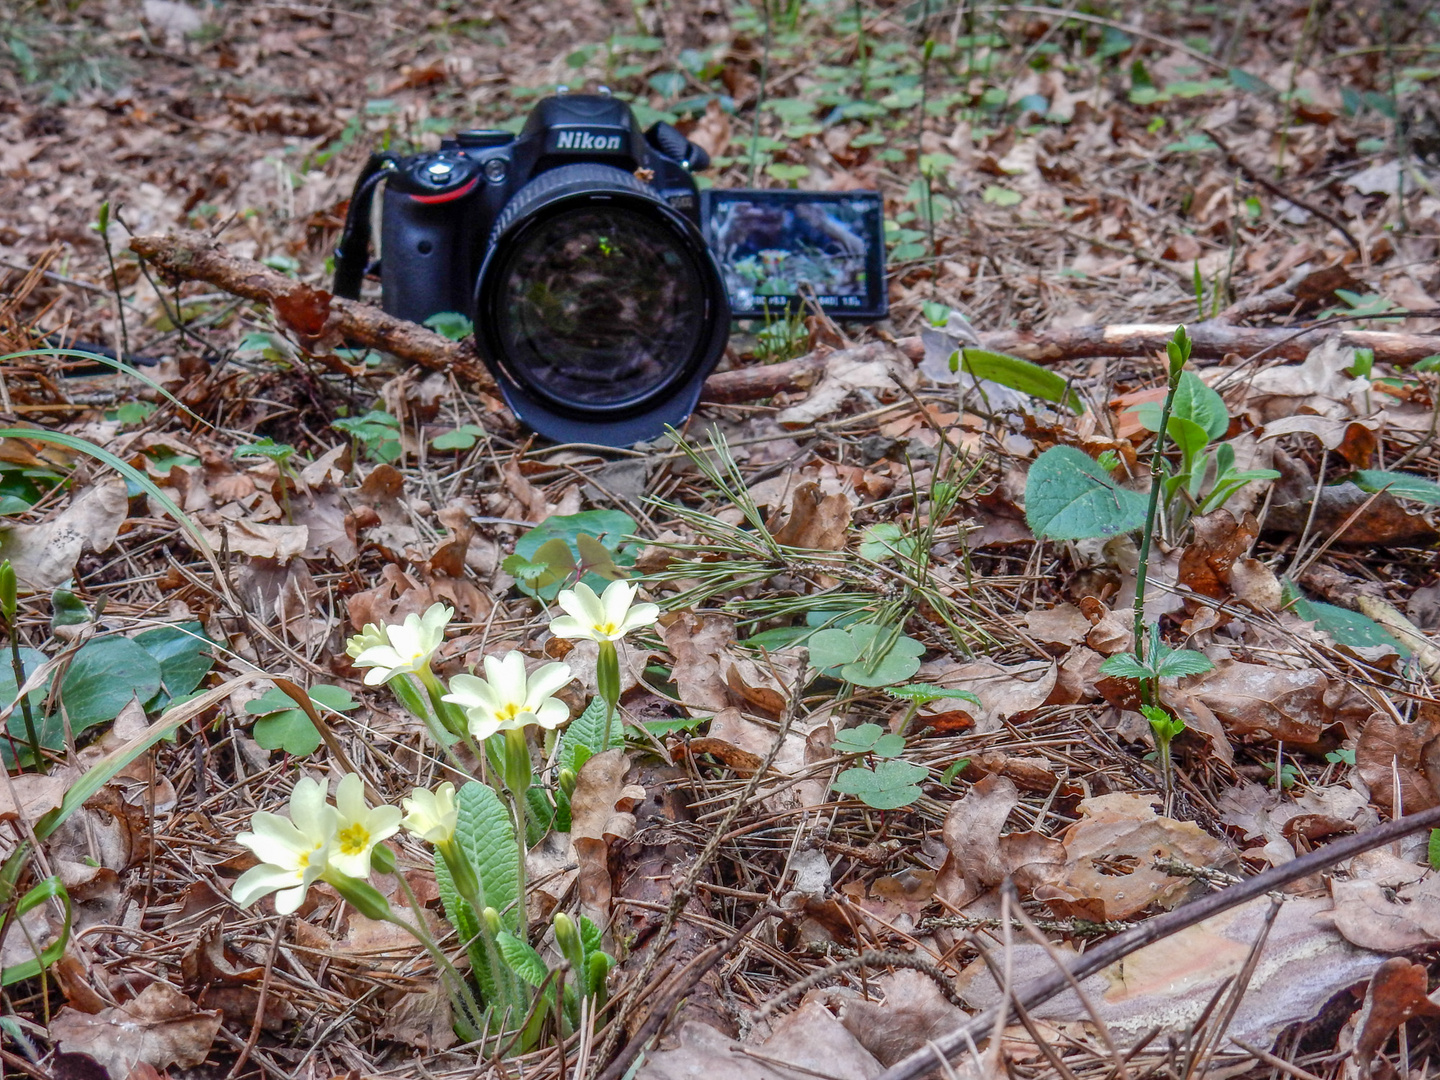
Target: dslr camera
[{"x": 600, "y": 279}]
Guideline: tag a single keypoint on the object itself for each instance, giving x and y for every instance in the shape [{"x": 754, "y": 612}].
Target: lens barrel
[{"x": 599, "y": 307}]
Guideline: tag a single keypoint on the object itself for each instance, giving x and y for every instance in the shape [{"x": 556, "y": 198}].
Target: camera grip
[{"x": 423, "y": 272}]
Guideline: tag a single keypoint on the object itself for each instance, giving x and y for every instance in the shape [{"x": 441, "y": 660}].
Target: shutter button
[{"x": 440, "y": 170}]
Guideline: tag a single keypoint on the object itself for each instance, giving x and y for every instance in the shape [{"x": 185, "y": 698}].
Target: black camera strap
[{"x": 353, "y": 253}]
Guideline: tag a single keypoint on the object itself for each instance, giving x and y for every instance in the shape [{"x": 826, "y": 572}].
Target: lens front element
[{"x": 599, "y": 306}]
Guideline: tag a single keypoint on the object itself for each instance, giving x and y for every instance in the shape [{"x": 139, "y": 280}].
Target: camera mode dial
[{"x": 443, "y": 176}]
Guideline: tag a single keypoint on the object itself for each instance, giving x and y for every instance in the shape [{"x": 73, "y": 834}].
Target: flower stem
[
  {"x": 518, "y": 802},
  {"x": 471, "y": 1013},
  {"x": 607, "y": 681}
]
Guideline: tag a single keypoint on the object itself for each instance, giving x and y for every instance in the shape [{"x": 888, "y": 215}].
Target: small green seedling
[
  {"x": 1165, "y": 728},
  {"x": 921, "y": 694},
  {"x": 377, "y": 433},
  {"x": 280, "y": 454},
  {"x": 1161, "y": 662},
  {"x": 1344, "y": 756},
  {"x": 461, "y": 438},
  {"x": 954, "y": 769}
]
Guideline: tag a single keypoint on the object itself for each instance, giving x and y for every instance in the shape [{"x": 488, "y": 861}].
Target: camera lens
[{"x": 597, "y": 298}]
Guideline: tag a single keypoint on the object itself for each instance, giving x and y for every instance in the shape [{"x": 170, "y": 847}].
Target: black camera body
[
  {"x": 585, "y": 257},
  {"x": 440, "y": 208}
]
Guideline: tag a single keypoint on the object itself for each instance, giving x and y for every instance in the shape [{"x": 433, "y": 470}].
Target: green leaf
[
  {"x": 831, "y": 648},
  {"x": 1000, "y": 196},
  {"x": 49, "y": 888},
  {"x": 1432, "y": 853},
  {"x": 899, "y": 661},
  {"x": 450, "y": 324},
  {"x": 1189, "y": 436},
  {"x": 183, "y": 652},
  {"x": 523, "y": 959},
  {"x": 460, "y": 438},
  {"x": 487, "y": 833},
  {"x": 1345, "y": 626},
  {"x": 889, "y": 786},
  {"x": 1125, "y": 666},
  {"x": 661, "y": 728},
  {"x": 1020, "y": 375},
  {"x": 1180, "y": 662},
  {"x": 1194, "y": 401},
  {"x": 467, "y": 927},
  {"x": 105, "y": 674},
  {"x": 1068, "y": 496},
  {"x": 539, "y": 814},
  {"x": 587, "y": 732},
  {"x": 924, "y": 693},
  {"x": 284, "y": 727},
  {"x": 885, "y": 540},
  {"x": 608, "y": 527},
  {"x": 954, "y": 769},
  {"x": 859, "y": 740},
  {"x": 67, "y": 609},
  {"x": 1401, "y": 485}
]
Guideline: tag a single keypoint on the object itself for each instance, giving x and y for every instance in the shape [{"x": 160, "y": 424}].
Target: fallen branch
[
  {"x": 1098, "y": 957},
  {"x": 321, "y": 320}
]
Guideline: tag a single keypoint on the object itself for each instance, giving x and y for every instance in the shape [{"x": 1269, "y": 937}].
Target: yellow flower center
[
  {"x": 608, "y": 629},
  {"x": 354, "y": 839},
  {"x": 509, "y": 712},
  {"x": 304, "y": 859}
]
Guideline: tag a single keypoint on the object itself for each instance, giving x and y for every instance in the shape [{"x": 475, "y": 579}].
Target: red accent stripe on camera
[{"x": 449, "y": 195}]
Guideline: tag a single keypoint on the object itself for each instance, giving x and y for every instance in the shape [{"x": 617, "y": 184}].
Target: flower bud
[
  {"x": 491, "y": 918},
  {"x": 607, "y": 674},
  {"x": 361, "y": 895},
  {"x": 7, "y": 592},
  {"x": 568, "y": 939},
  {"x": 567, "y": 781},
  {"x": 517, "y": 762},
  {"x": 467, "y": 884},
  {"x": 382, "y": 859}
]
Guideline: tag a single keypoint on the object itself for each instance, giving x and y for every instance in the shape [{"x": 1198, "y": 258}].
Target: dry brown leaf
[
  {"x": 44, "y": 555},
  {"x": 161, "y": 1027},
  {"x": 1003, "y": 691},
  {"x": 260, "y": 540},
  {"x": 695, "y": 643},
  {"x": 913, "y": 1013},
  {"x": 1375, "y": 520},
  {"x": 1374, "y": 915},
  {"x": 1258, "y": 703},
  {"x": 1063, "y": 625},
  {"x": 846, "y": 371},
  {"x": 1388, "y": 752},
  {"x": 1319, "y": 385},
  {"x": 1354, "y": 440},
  {"x": 712, "y": 131},
  {"x": 816, "y": 520},
  {"x": 809, "y": 1038},
  {"x": 1397, "y": 991},
  {"x": 423, "y": 1020},
  {"x": 1170, "y": 983},
  {"x": 600, "y": 815},
  {"x": 972, "y": 837},
  {"x": 1110, "y": 856}
]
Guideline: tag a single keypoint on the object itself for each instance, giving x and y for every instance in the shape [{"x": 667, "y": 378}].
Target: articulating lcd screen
[{"x": 777, "y": 249}]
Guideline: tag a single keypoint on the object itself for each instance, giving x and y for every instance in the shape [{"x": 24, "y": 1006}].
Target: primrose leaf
[
  {"x": 1345, "y": 626},
  {"x": 1401, "y": 485},
  {"x": 522, "y": 958},
  {"x": 586, "y": 733},
  {"x": 1069, "y": 496},
  {"x": 1020, "y": 375},
  {"x": 486, "y": 833}
]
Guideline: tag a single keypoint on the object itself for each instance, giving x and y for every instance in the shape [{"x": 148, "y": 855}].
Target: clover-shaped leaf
[
  {"x": 854, "y": 654},
  {"x": 284, "y": 726},
  {"x": 924, "y": 693},
  {"x": 461, "y": 438},
  {"x": 869, "y": 739},
  {"x": 889, "y": 786}
]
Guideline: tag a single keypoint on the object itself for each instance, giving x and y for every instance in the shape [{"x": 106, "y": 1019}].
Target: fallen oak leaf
[
  {"x": 1397, "y": 992},
  {"x": 160, "y": 1028}
]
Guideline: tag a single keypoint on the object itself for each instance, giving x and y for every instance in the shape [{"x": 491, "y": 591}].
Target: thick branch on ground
[
  {"x": 324, "y": 320},
  {"x": 313, "y": 314}
]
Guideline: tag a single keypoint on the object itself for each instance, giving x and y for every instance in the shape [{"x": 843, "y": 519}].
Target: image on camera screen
[{"x": 776, "y": 249}]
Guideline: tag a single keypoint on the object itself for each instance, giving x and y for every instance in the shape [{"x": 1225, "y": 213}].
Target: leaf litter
[{"x": 899, "y": 527}]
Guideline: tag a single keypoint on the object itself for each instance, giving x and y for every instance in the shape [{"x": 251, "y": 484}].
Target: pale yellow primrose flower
[
  {"x": 406, "y": 648},
  {"x": 432, "y": 815},
  {"x": 358, "y": 828},
  {"x": 370, "y": 637},
  {"x": 293, "y": 851},
  {"x": 608, "y": 617},
  {"x": 506, "y": 698}
]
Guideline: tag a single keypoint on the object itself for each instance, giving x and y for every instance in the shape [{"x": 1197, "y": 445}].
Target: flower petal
[
  {"x": 552, "y": 713},
  {"x": 582, "y": 603},
  {"x": 616, "y": 601},
  {"x": 350, "y": 798},
  {"x": 260, "y": 881},
  {"x": 545, "y": 681},
  {"x": 309, "y": 811},
  {"x": 572, "y": 629}
]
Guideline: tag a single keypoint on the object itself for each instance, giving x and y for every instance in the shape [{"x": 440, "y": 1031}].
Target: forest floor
[{"x": 871, "y": 726}]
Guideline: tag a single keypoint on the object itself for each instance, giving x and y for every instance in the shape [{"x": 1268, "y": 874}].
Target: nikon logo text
[{"x": 584, "y": 140}]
